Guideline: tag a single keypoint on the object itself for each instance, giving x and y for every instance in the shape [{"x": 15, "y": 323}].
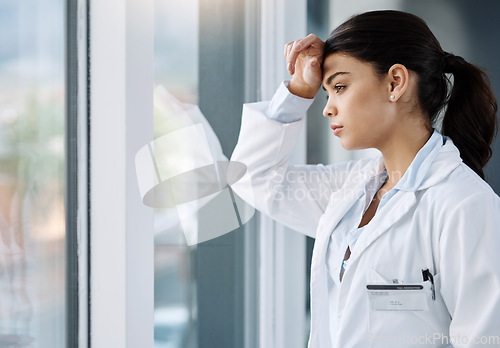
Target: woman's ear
[{"x": 398, "y": 77}]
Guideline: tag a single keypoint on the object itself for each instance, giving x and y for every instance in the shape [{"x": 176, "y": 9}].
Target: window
[
  {"x": 176, "y": 73},
  {"x": 32, "y": 174}
]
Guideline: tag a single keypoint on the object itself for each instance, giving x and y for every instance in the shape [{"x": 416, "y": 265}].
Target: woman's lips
[{"x": 336, "y": 129}]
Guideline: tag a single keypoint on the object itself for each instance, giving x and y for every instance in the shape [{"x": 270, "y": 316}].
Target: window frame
[
  {"x": 121, "y": 98},
  {"x": 77, "y": 169},
  {"x": 282, "y": 307},
  {"x": 74, "y": 177}
]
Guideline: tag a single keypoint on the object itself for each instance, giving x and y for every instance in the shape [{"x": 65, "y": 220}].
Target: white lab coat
[{"x": 450, "y": 223}]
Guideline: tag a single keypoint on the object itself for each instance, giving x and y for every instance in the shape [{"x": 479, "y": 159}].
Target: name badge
[{"x": 397, "y": 297}]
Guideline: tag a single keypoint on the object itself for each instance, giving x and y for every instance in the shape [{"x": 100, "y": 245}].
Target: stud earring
[{"x": 392, "y": 97}]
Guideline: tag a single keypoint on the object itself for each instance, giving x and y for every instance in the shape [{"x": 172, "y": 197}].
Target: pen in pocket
[{"x": 426, "y": 274}]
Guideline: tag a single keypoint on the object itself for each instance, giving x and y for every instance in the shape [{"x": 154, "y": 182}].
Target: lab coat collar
[
  {"x": 443, "y": 163},
  {"x": 418, "y": 168}
]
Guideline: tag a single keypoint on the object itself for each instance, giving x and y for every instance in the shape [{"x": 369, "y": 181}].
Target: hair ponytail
[
  {"x": 384, "y": 38},
  {"x": 470, "y": 119}
]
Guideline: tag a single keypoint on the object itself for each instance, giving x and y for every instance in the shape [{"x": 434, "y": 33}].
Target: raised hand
[{"x": 304, "y": 59}]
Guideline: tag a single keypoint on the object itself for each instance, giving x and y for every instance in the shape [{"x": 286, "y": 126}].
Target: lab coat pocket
[
  {"x": 401, "y": 312},
  {"x": 437, "y": 317}
]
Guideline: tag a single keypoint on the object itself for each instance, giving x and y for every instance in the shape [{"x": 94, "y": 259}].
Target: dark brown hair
[{"x": 385, "y": 38}]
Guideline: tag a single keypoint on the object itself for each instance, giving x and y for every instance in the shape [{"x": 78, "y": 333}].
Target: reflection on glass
[
  {"x": 32, "y": 225},
  {"x": 176, "y": 69},
  {"x": 185, "y": 169}
]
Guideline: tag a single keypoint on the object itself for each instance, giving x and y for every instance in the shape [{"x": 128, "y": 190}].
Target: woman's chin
[
  {"x": 347, "y": 145},
  {"x": 351, "y": 145}
]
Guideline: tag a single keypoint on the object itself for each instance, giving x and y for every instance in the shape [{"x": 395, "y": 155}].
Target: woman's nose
[{"x": 329, "y": 109}]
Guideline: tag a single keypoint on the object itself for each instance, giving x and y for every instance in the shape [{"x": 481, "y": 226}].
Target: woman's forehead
[{"x": 343, "y": 64}]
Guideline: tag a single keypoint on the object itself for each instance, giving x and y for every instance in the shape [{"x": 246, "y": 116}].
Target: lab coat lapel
[
  {"x": 395, "y": 209},
  {"x": 398, "y": 207},
  {"x": 340, "y": 203}
]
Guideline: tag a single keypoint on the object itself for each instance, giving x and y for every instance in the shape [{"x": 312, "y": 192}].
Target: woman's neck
[{"x": 400, "y": 152}]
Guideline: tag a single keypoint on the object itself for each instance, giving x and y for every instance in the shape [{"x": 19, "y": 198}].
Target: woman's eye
[{"x": 339, "y": 88}]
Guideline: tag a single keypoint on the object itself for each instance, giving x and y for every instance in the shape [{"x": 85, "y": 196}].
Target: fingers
[
  {"x": 288, "y": 49},
  {"x": 294, "y": 48},
  {"x": 297, "y": 48},
  {"x": 294, "y": 51},
  {"x": 305, "y": 42}
]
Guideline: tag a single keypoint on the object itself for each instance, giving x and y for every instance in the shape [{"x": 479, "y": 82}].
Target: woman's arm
[{"x": 295, "y": 195}]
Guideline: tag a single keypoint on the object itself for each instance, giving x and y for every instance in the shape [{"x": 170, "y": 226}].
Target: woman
[{"x": 405, "y": 243}]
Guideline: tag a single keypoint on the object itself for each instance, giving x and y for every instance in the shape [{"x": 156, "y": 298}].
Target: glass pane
[
  {"x": 202, "y": 286},
  {"x": 32, "y": 215},
  {"x": 176, "y": 79}
]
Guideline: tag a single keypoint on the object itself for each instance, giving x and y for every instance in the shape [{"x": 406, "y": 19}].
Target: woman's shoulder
[{"x": 463, "y": 187}]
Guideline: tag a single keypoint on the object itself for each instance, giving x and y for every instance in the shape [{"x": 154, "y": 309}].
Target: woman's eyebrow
[{"x": 331, "y": 77}]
